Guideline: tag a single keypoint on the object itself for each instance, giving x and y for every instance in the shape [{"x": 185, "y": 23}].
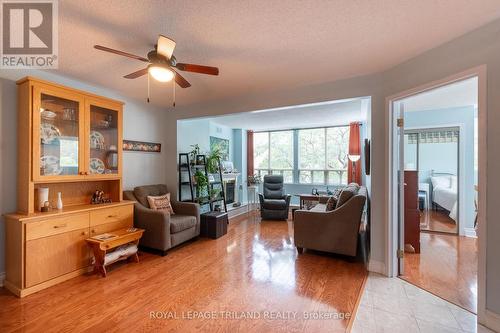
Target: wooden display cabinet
[{"x": 69, "y": 141}]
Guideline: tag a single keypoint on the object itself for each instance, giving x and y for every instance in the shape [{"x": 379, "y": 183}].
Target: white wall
[
  {"x": 478, "y": 47},
  {"x": 141, "y": 122}
]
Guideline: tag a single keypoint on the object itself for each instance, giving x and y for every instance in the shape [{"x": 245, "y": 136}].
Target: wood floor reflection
[
  {"x": 437, "y": 220},
  {"x": 446, "y": 267},
  {"x": 254, "y": 268}
]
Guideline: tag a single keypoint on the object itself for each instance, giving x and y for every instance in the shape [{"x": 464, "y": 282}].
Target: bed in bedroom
[{"x": 445, "y": 193}]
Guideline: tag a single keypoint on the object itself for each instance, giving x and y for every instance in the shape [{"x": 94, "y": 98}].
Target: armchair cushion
[
  {"x": 276, "y": 204},
  {"x": 273, "y": 187},
  {"x": 179, "y": 223},
  {"x": 141, "y": 192}
]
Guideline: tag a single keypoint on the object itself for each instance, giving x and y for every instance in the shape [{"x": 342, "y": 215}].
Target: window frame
[{"x": 296, "y": 171}]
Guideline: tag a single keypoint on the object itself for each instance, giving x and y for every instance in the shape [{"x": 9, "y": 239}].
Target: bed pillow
[
  {"x": 453, "y": 182},
  {"x": 441, "y": 181}
]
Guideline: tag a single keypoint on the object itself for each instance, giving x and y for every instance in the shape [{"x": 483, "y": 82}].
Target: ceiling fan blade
[
  {"x": 181, "y": 81},
  {"x": 137, "y": 74},
  {"x": 197, "y": 68},
  {"x": 125, "y": 54},
  {"x": 165, "y": 46}
]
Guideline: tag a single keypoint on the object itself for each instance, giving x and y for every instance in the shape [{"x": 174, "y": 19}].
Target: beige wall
[{"x": 479, "y": 47}]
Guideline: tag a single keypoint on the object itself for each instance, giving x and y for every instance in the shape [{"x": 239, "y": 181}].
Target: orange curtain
[
  {"x": 250, "y": 169},
  {"x": 354, "y": 149}
]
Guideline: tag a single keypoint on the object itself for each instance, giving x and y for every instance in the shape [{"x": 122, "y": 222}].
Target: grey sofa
[
  {"x": 339, "y": 231},
  {"x": 163, "y": 231},
  {"x": 274, "y": 203}
]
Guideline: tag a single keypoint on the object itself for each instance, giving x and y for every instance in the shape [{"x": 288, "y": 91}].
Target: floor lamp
[{"x": 354, "y": 158}]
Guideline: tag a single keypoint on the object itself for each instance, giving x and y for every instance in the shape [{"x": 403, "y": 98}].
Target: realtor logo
[{"x": 29, "y": 34}]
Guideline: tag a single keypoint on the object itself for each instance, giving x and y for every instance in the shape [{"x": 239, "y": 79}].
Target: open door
[{"x": 399, "y": 142}]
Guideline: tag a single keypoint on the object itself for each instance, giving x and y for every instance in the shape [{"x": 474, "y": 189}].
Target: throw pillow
[
  {"x": 346, "y": 194},
  {"x": 161, "y": 202},
  {"x": 331, "y": 204}
]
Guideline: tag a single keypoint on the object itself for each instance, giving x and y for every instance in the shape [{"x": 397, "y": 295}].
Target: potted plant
[
  {"x": 213, "y": 160},
  {"x": 253, "y": 180},
  {"x": 214, "y": 193},
  {"x": 201, "y": 183},
  {"x": 195, "y": 151}
]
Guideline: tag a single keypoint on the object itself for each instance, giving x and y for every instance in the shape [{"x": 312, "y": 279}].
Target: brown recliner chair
[
  {"x": 163, "y": 231},
  {"x": 341, "y": 231}
]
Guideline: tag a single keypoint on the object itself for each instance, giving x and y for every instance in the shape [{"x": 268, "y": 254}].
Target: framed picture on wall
[
  {"x": 367, "y": 156},
  {"x": 222, "y": 145}
]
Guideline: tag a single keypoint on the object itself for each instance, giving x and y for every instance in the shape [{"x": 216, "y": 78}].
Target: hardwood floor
[
  {"x": 446, "y": 267},
  {"x": 254, "y": 268},
  {"x": 434, "y": 220}
]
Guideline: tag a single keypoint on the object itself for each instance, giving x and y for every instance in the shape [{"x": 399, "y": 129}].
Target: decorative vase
[
  {"x": 59, "y": 201},
  {"x": 43, "y": 196}
]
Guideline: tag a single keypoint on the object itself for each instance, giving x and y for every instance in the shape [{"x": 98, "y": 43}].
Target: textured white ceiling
[
  {"x": 259, "y": 45},
  {"x": 302, "y": 116},
  {"x": 458, "y": 94}
]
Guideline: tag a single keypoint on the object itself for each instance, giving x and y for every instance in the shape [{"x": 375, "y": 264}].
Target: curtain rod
[{"x": 302, "y": 128}]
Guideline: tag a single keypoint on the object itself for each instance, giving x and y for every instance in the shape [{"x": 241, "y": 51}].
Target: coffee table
[
  {"x": 103, "y": 247},
  {"x": 306, "y": 197}
]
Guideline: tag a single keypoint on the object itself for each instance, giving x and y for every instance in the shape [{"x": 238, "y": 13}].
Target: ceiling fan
[{"x": 162, "y": 63}]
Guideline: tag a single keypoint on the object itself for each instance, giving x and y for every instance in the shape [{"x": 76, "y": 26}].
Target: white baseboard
[
  {"x": 491, "y": 320},
  {"x": 376, "y": 267},
  {"x": 470, "y": 232},
  {"x": 2, "y": 278}
]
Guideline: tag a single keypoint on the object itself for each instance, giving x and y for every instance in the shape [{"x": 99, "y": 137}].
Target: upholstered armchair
[
  {"x": 162, "y": 230},
  {"x": 274, "y": 203}
]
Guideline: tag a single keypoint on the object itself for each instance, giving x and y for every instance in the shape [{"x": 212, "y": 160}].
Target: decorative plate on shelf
[
  {"x": 96, "y": 166},
  {"x": 48, "y": 115},
  {"x": 49, "y": 166},
  {"x": 96, "y": 140},
  {"x": 49, "y": 133}
]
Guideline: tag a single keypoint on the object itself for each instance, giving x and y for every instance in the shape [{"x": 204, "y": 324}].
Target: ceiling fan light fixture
[{"x": 161, "y": 73}]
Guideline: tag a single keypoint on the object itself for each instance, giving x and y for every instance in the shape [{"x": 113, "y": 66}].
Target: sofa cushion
[
  {"x": 277, "y": 204},
  {"x": 161, "y": 202},
  {"x": 347, "y": 193},
  {"x": 318, "y": 208},
  {"x": 142, "y": 192},
  {"x": 331, "y": 203},
  {"x": 179, "y": 223}
]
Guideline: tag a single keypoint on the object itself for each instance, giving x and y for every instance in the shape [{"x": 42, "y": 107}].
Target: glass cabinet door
[
  {"x": 104, "y": 139},
  {"x": 58, "y": 148}
]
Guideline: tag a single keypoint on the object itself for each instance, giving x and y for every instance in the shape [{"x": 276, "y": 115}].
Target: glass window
[
  {"x": 312, "y": 149},
  {"x": 281, "y": 150},
  {"x": 322, "y": 155},
  {"x": 261, "y": 150}
]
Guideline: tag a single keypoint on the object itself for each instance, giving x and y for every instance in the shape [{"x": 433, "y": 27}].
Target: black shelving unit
[{"x": 186, "y": 166}]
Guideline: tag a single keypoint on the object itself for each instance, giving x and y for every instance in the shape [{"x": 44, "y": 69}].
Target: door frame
[
  {"x": 462, "y": 137},
  {"x": 392, "y": 202}
]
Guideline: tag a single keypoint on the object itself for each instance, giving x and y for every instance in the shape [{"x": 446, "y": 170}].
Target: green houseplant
[
  {"x": 195, "y": 151},
  {"x": 201, "y": 183},
  {"x": 213, "y": 160}
]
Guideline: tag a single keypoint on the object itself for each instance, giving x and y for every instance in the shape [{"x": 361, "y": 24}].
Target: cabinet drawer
[
  {"x": 112, "y": 214},
  {"x": 107, "y": 227},
  {"x": 56, "y": 225}
]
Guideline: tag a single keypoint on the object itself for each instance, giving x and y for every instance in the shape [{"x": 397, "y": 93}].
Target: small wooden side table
[
  {"x": 101, "y": 247},
  {"x": 213, "y": 224}
]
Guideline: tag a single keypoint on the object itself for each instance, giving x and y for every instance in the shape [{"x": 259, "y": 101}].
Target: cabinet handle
[
  {"x": 82, "y": 173},
  {"x": 84, "y": 233},
  {"x": 60, "y": 226},
  {"x": 111, "y": 216},
  {"x": 93, "y": 231}
]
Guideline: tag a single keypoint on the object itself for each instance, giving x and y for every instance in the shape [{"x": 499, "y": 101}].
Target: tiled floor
[{"x": 393, "y": 305}]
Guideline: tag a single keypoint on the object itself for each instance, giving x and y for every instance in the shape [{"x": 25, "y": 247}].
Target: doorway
[{"x": 436, "y": 205}]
